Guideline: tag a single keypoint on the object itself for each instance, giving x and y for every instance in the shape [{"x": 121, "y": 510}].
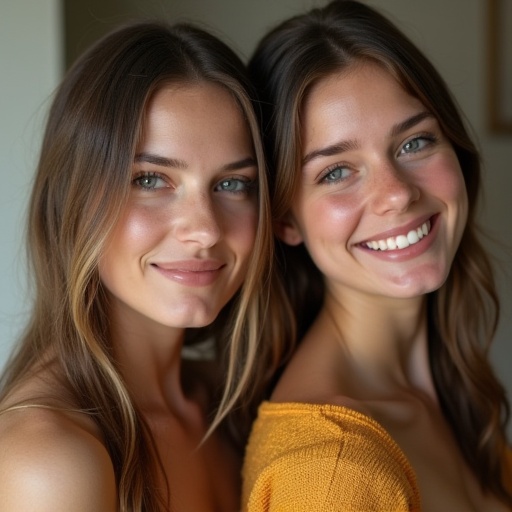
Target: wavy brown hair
[
  {"x": 80, "y": 189},
  {"x": 463, "y": 313}
]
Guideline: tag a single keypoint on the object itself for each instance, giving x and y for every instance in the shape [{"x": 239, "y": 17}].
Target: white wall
[{"x": 30, "y": 36}]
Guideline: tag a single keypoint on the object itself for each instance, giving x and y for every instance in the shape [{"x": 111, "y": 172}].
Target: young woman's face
[
  {"x": 381, "y": 204},
  {"x": 181, "y": 249}
]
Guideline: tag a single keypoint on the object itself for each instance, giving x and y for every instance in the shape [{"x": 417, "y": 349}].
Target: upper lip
[
  {"x": 193, "y": 265},
  {"x": 402, "y": 230}
]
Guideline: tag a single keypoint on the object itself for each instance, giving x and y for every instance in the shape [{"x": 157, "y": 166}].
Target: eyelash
[
  {"x": 147, "y": 175},
  {"x": 323, "y": 178},
  {"x": 249, "y": 184},
  {"x": 429, "y": 137}
]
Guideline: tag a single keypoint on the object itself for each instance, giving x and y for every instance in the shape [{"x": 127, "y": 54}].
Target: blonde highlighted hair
[{"x": 81, "y": 186}]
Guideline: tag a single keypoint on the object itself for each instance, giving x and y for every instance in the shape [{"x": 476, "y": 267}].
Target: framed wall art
[{"x": 500, "y": 65}]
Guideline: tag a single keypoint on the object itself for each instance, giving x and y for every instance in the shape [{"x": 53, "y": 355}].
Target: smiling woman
[
  {"x": 389, "y": 402},
  {"x": 387, "y": 173},
  {"x": 149, "y": 229},
  {"x": 181, "y": 249}
]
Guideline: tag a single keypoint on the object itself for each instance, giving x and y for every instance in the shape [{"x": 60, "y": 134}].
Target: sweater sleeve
[{"x": 323, "y": 462}]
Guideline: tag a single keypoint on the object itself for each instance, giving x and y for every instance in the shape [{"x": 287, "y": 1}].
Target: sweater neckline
[{"x": 267, "y": 407}]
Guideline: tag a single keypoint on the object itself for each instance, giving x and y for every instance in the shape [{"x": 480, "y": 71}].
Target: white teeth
[
  {"x": 413, "y": 237},
  {"x": 391, "y": 244},
  {"x": 400, "y": 241}
]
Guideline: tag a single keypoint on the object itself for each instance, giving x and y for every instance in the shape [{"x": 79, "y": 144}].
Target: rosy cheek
[
  {"x": 334, "y": 212},
  {"x": 242, "y": 228},
  {"x": 452, "y": 183},
  {"x": 138, "y": 225},
  {"x": 326, "y": 219},
  {"x": 443, "y": 175},
  {"x": 447, "y": 182}
]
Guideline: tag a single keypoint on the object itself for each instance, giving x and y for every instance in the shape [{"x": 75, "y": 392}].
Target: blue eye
[
  {"x": 335, "y": 174},
  {"x": 416, "y": 144},
  {"x": 234, "y": 185},
  {"x": 149, "y": 181}
]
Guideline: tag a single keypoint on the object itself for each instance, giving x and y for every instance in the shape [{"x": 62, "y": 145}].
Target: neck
[
  {"x": 384, "y": 342},
  {"x": 149, "y": 357}
]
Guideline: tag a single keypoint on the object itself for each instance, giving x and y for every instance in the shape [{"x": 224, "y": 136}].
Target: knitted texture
[{"x": 307, "y": 457}]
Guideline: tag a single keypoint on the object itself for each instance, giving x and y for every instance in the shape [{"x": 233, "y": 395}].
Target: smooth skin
[
  {"x": 177, "y": 255},
  {"x": 376, "y": 165}
]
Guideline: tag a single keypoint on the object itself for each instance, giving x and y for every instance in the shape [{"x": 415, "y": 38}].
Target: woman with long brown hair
[
  {"x": 390, "y": 401},
  {"x": 149, "y": 241}
]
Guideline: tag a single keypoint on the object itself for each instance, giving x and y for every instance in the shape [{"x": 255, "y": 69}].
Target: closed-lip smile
[{"x": 193, "y": 272}]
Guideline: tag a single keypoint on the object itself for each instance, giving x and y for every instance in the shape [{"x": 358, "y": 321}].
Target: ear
[{"x": 287, "y": 230}]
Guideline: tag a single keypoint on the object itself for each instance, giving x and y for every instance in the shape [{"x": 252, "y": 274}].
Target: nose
[
  {"x": 392, "y": 190},
  {"x": 195, "y": 220}
]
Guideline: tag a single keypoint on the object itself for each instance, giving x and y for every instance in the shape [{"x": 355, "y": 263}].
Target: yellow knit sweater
[
  {"x": 326, "y": 458},
  {"x": 309, "y": 458}
]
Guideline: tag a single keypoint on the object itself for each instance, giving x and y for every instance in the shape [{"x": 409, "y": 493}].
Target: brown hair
[
  {"x": 463, "y": 314},
  {"x": 81, "y": 186}
]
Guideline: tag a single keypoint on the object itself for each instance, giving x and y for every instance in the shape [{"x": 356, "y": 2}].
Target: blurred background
[{"x": 470, "y": 42}]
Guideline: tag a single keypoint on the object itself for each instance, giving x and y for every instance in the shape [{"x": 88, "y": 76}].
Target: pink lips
[
  {"x": 403, "y": 229},
  {"x": 191, "y": 272},
  {"x": 413, "y": 250}
]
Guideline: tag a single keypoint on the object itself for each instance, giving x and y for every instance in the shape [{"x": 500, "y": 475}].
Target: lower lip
[
  {"x": 409, "y": 252},
  {"x": 190, "y": 278}
]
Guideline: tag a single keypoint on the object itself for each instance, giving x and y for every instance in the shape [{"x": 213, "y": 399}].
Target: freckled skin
[
  {"x": 375, "y": 165},
  {"x": 384, "y": 188},
  {"x": 186, "y": 216}
]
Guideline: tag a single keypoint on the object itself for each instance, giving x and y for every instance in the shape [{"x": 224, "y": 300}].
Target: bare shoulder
[{"x": 53, "y": 460}]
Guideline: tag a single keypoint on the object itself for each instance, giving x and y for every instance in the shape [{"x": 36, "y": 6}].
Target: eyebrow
[
  {"x": 162, "y": 161},
  {"x": 333, "y": 149},
  {"x": 241, "y": 164},
  {"x": 181, "y": 164},
  {"x": 340, "y": 147},
  {"x": 410, "y": 123}
]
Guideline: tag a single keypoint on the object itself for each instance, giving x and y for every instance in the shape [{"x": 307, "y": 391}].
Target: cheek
[
  {"x": 240, "y": 227},
  {"x": 329, "y": 216},
  {"x": 444, "y": 177},
  {"x": 140, "y": 227},
  {"x": 134, "y": 234},
  {"x": 448, "y": 184}
]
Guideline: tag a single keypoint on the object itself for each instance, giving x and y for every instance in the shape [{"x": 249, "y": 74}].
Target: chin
[
  {"x": 193, "y": 321},
  {"x": 193, "y": 317},
  {"x": 418, "y": 285}
]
